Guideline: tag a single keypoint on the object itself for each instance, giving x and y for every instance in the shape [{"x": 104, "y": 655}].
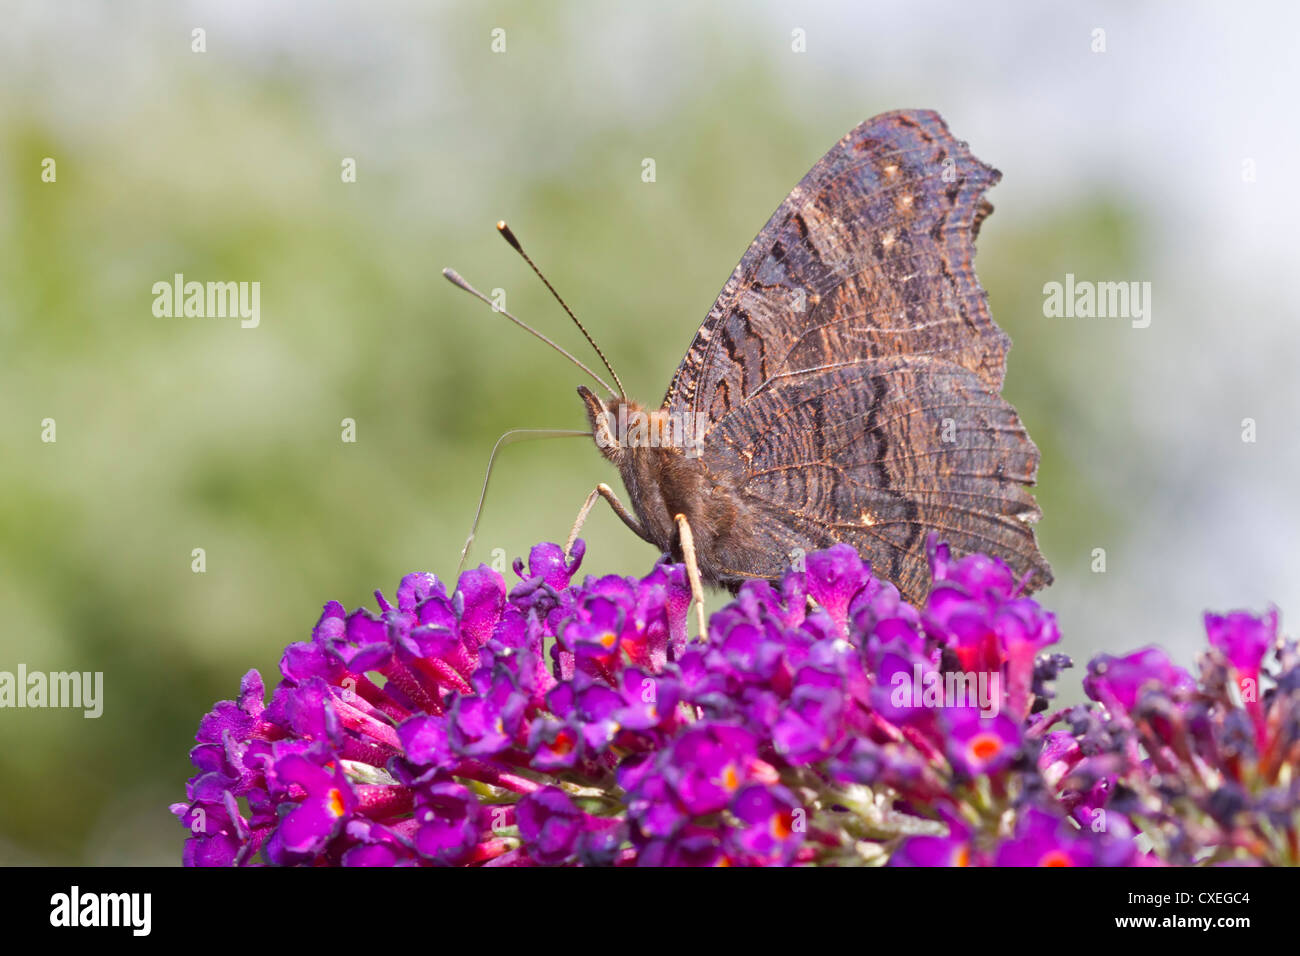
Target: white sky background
[{"x": 1184, "y": 93}]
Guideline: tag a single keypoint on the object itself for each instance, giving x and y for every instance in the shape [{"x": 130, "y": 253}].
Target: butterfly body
[
  {"x": 665, "y": 479},
  {"x": 846, "y": 384}
]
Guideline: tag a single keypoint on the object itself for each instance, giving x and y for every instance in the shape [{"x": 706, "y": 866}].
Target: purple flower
[
  {"x": 1243, "y": 639},
  {"x": 834, "y": 578},
  {"x": 318, "y": 816},
  {"x": 1045, "y": 839},
  {"x": 821, "y": 720},
  {"x": 771, "y": 826},
  {"x": 1121, "y": 680},
  {"x": 706, "y": 765},
  {"x": 954, "y": 848},
  {"x": 550, "y": 825},
  {"x": 486, "y": 722},
  {"x": 447, "y": 815},
  {"x": 548, "y": 566},
  {"x": 980, "y": 745}
]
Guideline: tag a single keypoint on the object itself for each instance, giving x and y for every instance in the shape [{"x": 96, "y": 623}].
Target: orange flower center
[{"x": 985, "y": 747}]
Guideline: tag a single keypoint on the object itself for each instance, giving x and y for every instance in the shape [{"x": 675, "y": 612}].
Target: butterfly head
[
  {"x": 625, "y": 431},
  {"x": 604, "y": 418}
]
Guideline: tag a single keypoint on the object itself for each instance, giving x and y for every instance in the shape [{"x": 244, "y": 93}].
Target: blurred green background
[{"x": 173, "y": 434}]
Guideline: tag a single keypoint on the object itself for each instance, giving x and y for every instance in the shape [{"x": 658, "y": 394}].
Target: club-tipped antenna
[
  {"x": 455, "y": 279},
  {"x": 508, "y": 234},
  {"x": 509, "y": 438}
]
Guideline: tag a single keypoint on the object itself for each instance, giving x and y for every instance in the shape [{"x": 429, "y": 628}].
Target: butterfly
[{"x": 845, "y": 386}]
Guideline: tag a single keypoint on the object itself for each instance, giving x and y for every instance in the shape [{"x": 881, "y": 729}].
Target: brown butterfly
[{"x": 844, "y": 386}]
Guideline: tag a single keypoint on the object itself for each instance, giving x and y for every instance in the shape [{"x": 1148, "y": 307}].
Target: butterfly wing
[
  {"x": 877, "y": 454},
  {"x": 861, "y": 290}
]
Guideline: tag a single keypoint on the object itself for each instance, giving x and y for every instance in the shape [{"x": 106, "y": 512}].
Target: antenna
[
  {"x": 509, "y": 236},
  {"x": 455, "y": 279},
  {"x": 509, "y": 438}
]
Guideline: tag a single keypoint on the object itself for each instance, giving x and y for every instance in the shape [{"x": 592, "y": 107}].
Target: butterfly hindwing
[{"x": 878, "y": 455}]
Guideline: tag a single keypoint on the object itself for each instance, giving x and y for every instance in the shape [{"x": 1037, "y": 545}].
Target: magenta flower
[
  {"x": 822, "y": 720},
  {"x": 1204, "y": 768},
  {"x": 1044, "y": 839},
  {"x": 1121, "y": 681},
  {"x": 980, "y": 745}
]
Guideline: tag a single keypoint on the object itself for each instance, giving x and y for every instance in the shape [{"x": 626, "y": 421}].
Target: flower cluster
[
  {"x": 822, "y": 720},
  {"x": 1204, "y": 769}
]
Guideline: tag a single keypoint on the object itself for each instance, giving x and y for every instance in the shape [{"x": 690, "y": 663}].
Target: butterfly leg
[
  {"x": 603, "y": 490},
  {"x": 692, "y": 569}
]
